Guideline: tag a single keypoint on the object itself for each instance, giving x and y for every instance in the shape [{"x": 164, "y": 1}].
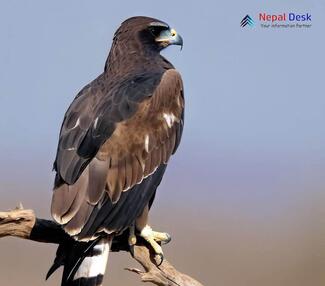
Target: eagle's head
[{"x": 147, "y": 33}]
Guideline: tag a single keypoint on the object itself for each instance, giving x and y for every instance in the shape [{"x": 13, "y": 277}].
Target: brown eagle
[{"x": 114, "y": 145}]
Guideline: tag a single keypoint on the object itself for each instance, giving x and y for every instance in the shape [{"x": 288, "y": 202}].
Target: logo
[
  {"x": 288, "y": 20},
  {"x": 284, "y": 17},
  {"x": 247, "y": 20}
]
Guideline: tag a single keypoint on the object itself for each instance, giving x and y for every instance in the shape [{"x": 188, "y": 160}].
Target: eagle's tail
[{"x": 84, "y": 263}]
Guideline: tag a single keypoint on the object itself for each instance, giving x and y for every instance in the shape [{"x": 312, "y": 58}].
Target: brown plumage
[{"x": 118, "y": 134}]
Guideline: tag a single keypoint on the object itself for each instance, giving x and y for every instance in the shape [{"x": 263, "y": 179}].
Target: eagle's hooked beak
[{"x": 169, "y": 37}]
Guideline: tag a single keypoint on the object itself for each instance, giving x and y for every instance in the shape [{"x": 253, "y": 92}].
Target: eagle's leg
[
  {"x": 152, "y": 237},
  {"x": 132, "y": 238}
]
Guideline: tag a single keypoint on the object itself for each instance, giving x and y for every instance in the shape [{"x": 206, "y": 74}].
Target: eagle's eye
[{"x": 156, "y": 30}]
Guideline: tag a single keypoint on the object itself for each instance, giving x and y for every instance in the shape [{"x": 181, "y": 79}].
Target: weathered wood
[
  {"x": 24, "y": 224},
  {"x": 164, "y": 275},
  {"x": 18, "y": 223}
]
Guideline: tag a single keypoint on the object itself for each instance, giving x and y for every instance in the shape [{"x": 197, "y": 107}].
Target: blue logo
[{"x": 247, "y": 20}]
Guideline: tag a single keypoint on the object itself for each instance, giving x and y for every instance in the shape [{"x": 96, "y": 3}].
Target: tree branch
[{"x": 24, "y": 224}]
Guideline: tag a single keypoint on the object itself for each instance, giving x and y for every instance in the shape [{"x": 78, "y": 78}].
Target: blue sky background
[{"x": 248, "y": 178}]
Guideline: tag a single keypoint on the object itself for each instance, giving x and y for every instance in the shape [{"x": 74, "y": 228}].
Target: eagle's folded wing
[{"x": 108, "y": 149}]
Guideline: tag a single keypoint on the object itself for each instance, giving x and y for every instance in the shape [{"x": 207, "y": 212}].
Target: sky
[{"x": 248, "y": 178}]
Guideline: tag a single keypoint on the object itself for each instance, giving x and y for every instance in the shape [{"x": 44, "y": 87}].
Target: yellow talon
[
  {"x": 162, "y": 237},
  {"x": 153, "y": 237}
]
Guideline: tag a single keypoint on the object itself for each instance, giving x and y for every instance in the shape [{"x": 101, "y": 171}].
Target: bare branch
[
  {"x": 164, "y": 275},
  {"x": 18, "y": 222},
  {"x": 23, "y": 224}
]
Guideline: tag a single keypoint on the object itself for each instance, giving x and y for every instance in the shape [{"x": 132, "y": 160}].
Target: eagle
[{"x": 116, "y": 139}]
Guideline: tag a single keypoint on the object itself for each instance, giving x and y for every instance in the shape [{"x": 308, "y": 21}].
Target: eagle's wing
[
  {"x": 92, "y": 117},
  {"x": 119, "y": 155}
]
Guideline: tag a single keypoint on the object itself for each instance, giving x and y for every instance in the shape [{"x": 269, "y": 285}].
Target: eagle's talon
[
  {"x": 131, "y": 248},
  {"x": 162, "y": 237},
  {"x": 155, "y": 238},
  {"x": 159, "y": 259},
  {"x": 167, "y": 240}
]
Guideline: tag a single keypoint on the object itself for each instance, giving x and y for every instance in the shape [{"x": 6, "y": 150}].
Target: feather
[
  {"x": 97, "y": 180},
  {"x": 76, "y": 224},
  {"x": 128, "y": 172},
  {"x": 112, "y": 179}
]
